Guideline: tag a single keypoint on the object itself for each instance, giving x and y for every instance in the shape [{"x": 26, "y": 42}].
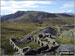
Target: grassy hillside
[
  {"x": 58, "y": 21},
  {"x": 16, "y": 29},
  {"x": 9, "y": 30},
  {"x": 68, "y": 37}
]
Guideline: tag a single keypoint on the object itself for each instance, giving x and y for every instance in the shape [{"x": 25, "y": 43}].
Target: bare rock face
[
  {"x": 50, "y": 30},
  {"x": 66, "y": 47}
]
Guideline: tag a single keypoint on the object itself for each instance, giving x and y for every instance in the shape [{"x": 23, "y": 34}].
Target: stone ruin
[{"x": 48, "y": 46}]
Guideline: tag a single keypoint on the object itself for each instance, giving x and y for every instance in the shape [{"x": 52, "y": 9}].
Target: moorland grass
[
  {"x": 65, "y": 40},
  {"x": 10, "y": 30},
  {"x": 31, "y": 44}
]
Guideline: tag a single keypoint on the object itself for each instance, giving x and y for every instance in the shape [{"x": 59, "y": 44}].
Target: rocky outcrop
[{"x": 66, "y": 49}]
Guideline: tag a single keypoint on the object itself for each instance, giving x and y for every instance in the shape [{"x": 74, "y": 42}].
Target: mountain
[
  {"x": 69, "y": 13},
  {"x": 32, "y": 16}
]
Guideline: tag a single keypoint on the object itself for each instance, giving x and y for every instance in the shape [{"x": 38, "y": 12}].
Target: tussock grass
[
  {"x": 65, "y": 40},
  {"x": 31, "y": 44}
]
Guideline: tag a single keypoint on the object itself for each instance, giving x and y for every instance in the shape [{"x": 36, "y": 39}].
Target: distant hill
[{"x": 32, "y": 16}]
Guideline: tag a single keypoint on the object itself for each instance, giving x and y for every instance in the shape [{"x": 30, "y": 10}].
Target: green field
[{"x": 31, "y": 44}]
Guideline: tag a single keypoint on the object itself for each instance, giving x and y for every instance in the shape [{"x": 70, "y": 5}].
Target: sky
[{"x": 12, "y": 6}]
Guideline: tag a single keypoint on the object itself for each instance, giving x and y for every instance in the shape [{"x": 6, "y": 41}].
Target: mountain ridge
[{"x": 32, "y": 16}]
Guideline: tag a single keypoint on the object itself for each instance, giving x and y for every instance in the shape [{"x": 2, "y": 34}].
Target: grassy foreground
[
  {"x": 10, "y": 30},
  {"x": 15, "y": 29}
]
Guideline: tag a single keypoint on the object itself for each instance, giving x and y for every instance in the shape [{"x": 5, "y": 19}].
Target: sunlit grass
[
  {"x": 65, "y": 40},
  {"x": 31, "y": 44},
  {"x": 35, "y": 36}
]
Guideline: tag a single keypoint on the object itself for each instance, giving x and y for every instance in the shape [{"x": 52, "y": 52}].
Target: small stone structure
[
  {"x": 19, "y": 50},
  {"x": 66, "y": 27},
  {"x": 67, "y": 34}
]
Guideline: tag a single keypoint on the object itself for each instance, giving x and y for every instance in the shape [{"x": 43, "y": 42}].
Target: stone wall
[
  {"x": 66, "y": 27},
  {"x": 41, "y": 30},
  {"x": 14, "y": 45},
  {"x": 36, "y": 40},
  {"x": 19, "y": 50},
  {"x": 69, "y": 33}
]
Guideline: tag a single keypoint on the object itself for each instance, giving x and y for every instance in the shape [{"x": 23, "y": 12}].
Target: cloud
[
  {"x": 19, "y": 4},
  {"x": 68, "y": 11},
  {"x": 14, "y": 6},
  {"x": 8, "y": 9},
  {"x": 32, "y": 4},
  {"x": 4, "y": 3},
  {"x": 22, "y": 4},
  {"x": 68, "y": 5}
]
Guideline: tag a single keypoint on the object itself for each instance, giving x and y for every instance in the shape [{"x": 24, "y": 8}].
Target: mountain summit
[{"x": 32, "y": 16}]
